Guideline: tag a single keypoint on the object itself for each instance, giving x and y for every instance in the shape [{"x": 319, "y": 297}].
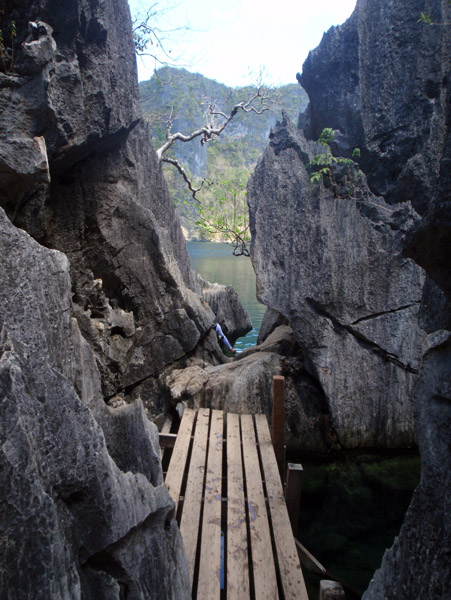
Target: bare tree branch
[
  {"x": 146, "y": 33},
  {"x": 181, "y": 170},
  {"x": 213, "y": 129}
]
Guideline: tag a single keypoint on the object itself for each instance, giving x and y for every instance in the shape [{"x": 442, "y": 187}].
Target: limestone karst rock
[
  {"x": 84, "y": 511},
  {"x": 245, "y": 386},
  {"x": 81, "y": 176},
  {"x": 381, "y": 81},
  {"x": 96, "y": 298},
  {"x": 333, "y": 267}
]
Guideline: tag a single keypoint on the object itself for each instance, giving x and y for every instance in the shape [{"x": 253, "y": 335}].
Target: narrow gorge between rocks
[{"x": 106, "y": 331}]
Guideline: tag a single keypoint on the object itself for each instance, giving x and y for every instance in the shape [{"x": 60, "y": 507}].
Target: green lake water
[
  {"x": 216, "y": 263},
  {"x": 352, "y": 507}
]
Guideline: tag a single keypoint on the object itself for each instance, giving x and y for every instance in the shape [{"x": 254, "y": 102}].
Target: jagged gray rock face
[
  {"x": 417, "y": 565},
  {"x": 93, "y": 308},
  {"x": 80, "y": 175},
  {"x": 397, "y": 116},
  {"x": 226, "y": 305},
  {"x": 381, "y": 81},
  {"x": 85, "y": 511},
  {"x": 333, "y": 268}
]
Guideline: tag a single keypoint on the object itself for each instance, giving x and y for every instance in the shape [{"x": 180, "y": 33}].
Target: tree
[
  {"x": 229, "y": 216},
  {"x": 149, "y": 37},
  {"x": 154, "y": 39},
  {"x": 216, "y": 121}
]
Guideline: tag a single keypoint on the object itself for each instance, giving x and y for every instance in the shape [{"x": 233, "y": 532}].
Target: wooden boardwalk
[{"x": 231, "y": 509}]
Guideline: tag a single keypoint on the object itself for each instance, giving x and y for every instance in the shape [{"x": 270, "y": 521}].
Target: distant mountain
[{"x": 230, "y": 157}]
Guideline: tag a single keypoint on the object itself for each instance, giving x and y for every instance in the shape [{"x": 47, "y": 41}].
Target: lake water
[{"x": 216, "y": 263}]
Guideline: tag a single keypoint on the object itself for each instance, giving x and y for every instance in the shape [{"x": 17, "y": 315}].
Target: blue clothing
[{"x": 222, "y": 337}]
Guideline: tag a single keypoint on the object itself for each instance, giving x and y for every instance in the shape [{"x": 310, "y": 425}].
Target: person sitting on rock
[{"x": 223, "y": 338}]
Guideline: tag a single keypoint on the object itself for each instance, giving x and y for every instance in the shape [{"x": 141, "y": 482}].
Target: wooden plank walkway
[{"x": 224, "y": 478}]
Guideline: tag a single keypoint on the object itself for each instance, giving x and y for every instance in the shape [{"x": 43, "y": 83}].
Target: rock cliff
[
  {"x": 84, "y": 511},
  {"x": 80, "y": 175},
  {"x": 333, "y": 267},
  {"x": 334, "y": 260},
  {"x": 97, "y": 298}
]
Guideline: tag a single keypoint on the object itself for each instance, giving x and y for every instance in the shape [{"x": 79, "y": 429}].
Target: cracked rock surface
[
  {"x": 381, "y": 81},
  {"x": 85, "y": 514},
  {"x": 333, "y": 267}
]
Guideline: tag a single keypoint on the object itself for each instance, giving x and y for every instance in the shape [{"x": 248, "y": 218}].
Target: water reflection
[{"x": 216, "y": 263}]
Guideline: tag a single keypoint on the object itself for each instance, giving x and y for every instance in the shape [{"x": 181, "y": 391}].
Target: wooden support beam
[
  {"x": 167, "y": 440},
  {"x": 309, "y": 561},
  {"x": 278, "y": 420},
  {"x": 293, "y": 494},
  {"x": 331, "y": 590}
]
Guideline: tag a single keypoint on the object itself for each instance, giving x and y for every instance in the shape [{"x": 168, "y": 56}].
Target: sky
[{"x": 233, "y": 40}]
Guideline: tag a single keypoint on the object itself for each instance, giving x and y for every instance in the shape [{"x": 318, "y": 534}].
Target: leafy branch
[
  {"x": 321, "y": 165},
  {"x": 427, "y": 19},
  {"x": 217, "y": 120},
  {"x": 228, "y": 216}
]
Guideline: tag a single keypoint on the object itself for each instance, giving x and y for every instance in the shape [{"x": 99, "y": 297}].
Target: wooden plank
[
  {"x": 288, "y": 560},
  {"x": 237, "y": 547},
  {"x": 278, "y": 419},
  {"x": 264, "y": 573},
  {"x": 293, "y": 494},
  {"x": 167, "y": 425},
  {"x": 190, "y": 520},
  {"x": 174, "y": 476},
  {"x": 210, "y": 551}
]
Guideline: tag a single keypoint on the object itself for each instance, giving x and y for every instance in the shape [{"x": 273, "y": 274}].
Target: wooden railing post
[
  {"x": 331, "y": 590},
  {"x": 293, "y": 494},
  {"x": 278, "y": 420}
]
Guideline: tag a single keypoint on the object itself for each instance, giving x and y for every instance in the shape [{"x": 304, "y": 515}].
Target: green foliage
[
  {"x": 7, "y": 53},
  {"x": 224, "y": 212},
  {"x": 141, "y": 41},
  {"x": 326, "y": 137},
  {"x": 321, "y": 165},
  {"x": 425, "y": 18}
]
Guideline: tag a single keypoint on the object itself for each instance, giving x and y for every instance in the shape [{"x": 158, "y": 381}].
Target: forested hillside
[{"x": 226, "y": 161}]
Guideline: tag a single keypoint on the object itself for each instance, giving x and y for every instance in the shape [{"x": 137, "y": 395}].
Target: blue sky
[{"x": 231, "y": 41}]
